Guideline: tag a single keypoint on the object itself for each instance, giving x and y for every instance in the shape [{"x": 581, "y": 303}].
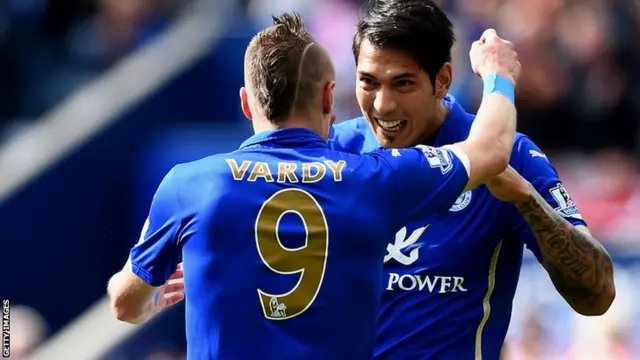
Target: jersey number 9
[{"x": 309, "y": 260}]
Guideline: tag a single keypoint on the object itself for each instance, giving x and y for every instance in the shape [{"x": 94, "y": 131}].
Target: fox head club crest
[{"x": 462, "y": 201}]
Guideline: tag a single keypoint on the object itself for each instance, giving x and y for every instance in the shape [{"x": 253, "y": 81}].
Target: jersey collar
[
  {"x": 455, "y": 126},
  {"x": 288, "y": 138}
]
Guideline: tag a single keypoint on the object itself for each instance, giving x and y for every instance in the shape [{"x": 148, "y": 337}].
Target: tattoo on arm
[{"x": 579, "y": 267}]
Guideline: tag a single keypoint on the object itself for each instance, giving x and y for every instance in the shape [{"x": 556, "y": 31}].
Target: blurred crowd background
[{"x": 578, "y": 98}]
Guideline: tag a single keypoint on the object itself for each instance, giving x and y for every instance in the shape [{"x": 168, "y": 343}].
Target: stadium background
[{"x": 99, "y": 98}]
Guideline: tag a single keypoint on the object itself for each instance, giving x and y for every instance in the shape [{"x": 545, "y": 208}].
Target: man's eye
[
  {"x": 367, "y": 81},
  {"x": 404, "y": 82}
]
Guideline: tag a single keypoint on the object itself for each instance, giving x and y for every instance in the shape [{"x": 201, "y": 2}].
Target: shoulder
[
  {"x": 405, "y": 159},
  {"x": 350, "y": 135},
  {"x": 524, "y": 149},
  {"x": 523, "y": 143},
  {"x": 194, "y": 175},
  {"x": 207, "y": 165},
  {"x": 355, "y": 124},
  {"x": 529, "y": 160},
  {"x": 196, "y": 183}
]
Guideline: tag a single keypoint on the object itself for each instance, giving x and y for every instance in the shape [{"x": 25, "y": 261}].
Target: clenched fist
[{"x": 492, "y": 54}]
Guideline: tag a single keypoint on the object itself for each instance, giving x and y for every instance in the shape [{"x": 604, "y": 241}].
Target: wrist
[{"x": 495, "y": 83}]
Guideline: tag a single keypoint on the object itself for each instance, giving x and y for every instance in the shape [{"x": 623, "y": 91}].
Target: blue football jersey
[
  {"x": 450, "y": 278},
  {"x": 282, "y": 242}
]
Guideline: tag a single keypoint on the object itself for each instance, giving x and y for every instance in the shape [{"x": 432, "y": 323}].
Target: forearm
[
  {"x": 495, "y": 122},
  {"x": 130, "y": 302},
  {"x": 579, "y": 267},
  {"x": 491, "y": 138}
]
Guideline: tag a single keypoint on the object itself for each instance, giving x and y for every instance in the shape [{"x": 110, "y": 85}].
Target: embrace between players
[{"x": 397, "y": 235}]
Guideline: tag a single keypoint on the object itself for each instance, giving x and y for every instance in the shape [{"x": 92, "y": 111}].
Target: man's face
[{"x": 396, "y": 97}]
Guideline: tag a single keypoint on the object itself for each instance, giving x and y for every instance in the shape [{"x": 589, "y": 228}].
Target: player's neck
[
  {"x": 430, "y": 134},
  {"x": 291, "y": 122}
]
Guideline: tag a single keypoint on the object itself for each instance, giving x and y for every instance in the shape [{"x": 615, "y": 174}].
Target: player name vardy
[{"x": 286, "y": 172}]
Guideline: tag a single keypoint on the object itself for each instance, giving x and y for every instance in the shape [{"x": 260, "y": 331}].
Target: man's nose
[{"x": 385, "y": 102}]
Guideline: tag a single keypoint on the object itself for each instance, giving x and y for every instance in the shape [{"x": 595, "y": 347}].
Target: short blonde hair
[{"x": 285, "y": 67}]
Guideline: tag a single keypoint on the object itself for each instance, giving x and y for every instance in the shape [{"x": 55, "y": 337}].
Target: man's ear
[
  {"x": 327, "y": 97},
  {"x": 244, "y": 103},
  {"x": 443, "y": 81}
]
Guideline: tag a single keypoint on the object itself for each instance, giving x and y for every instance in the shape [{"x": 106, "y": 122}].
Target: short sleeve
[
  {"x": 427, "y": 178},
  {"x": 534, "y": 166},
  {"x": 156, "y": 255}
]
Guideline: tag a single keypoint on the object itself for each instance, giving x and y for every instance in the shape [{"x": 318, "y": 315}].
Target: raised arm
[
  {"x": 437, "y": 176},
  {"x": 490, "y": 140}
]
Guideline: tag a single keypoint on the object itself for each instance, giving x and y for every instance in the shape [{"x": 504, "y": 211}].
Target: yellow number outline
[{"x": 308, "y": 260}]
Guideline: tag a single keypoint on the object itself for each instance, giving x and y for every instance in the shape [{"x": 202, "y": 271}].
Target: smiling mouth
[{"x": 391, "y": 127}]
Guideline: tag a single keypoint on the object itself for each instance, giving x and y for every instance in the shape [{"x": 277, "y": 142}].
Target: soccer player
[
  {"x": 450, "y": 278},
  {"x": 282, "y": 241}
]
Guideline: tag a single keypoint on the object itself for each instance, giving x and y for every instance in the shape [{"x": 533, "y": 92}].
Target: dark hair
[
  {"x": 285, "y": 67},
  {"x": 418, "y": 27}
]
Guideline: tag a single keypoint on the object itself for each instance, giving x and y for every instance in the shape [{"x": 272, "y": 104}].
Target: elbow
[
  {"x": 499, "y": 161},
  {"x": 601, "y": 302},
  {"x": 491, "y": 158},
  {"x": 605, "y": 302},
  {"x": 502, "y": 161},
  {"x": 127, "y": 303},
  {"x": 117, "y": 300},
  {"x": 600, "y": 306},
  {"x": 503, "y": 153},
  {"x": 125, "y": 308},
  {"x": 123, "y": 312}
]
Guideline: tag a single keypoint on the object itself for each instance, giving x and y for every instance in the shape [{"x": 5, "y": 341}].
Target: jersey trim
[
  {"x": 486, "y": 302},
  {"x": 143, "y": 274},
  {"x": 464, "y": 158}
]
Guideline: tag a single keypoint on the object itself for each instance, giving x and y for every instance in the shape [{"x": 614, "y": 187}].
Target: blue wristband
[{"x": 496, "y": 83}]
